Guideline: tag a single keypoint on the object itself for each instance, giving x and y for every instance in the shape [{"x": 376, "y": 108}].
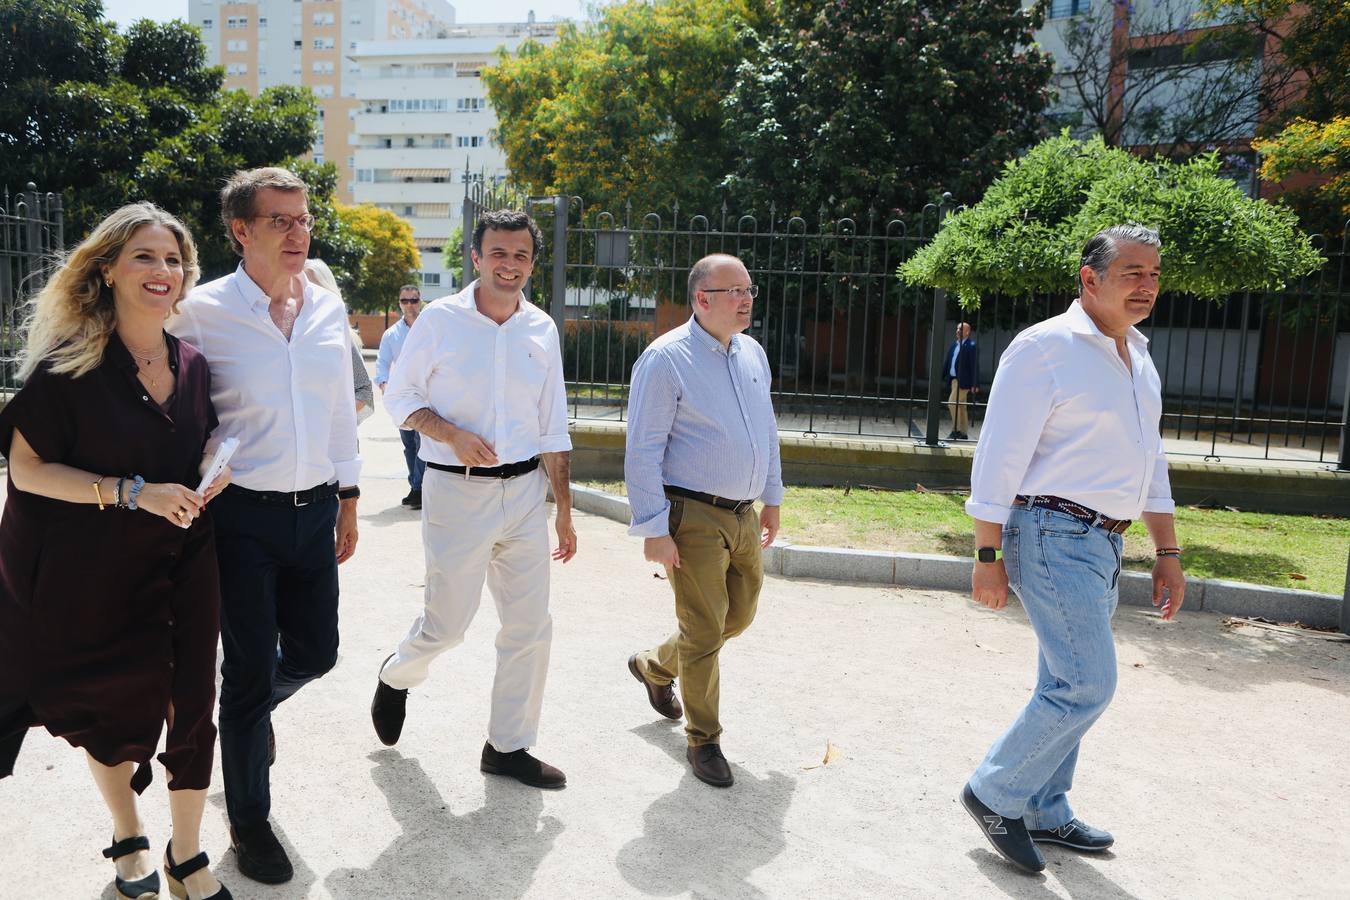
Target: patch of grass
[{"x": 1258, "y": 548}]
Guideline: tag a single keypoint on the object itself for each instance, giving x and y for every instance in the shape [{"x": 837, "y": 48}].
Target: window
[
  {"x": 318, "y": 158},
  {"x": 409, "y": 142},
  {"x": 323, "y": 90},
  {"x": 236, "y": 69},
  {"x": 323, "y": 19},
  {"x": 262, "y": 21},
  {"x": 355, "y": 20},
  {"x": 470, "y": 141},
  {"x": 262, "y": 70},
  {"x": 407, "y": 210},
  {"x": 295, "y": 69},
  {"x": 1062, "y": 9},
  {"x": 419, "y": 105},
  {"x": 351, "y": 161},
  {"x": 431, "y": 279},
  {"x": 208, "y": 23},
  {"x": 365, "y": 176},
  {"x": 323, "y": 44},
  {"x": 438, "y": 143},
  {"x": 322, "y": 68},
  {"x": 470, "y": 104},
  {"x": 236, "y": 46},
  {"x": 351, "y": 186},
  {"x": 318, "y": 141},
  {"x": 297, "y": 45}
]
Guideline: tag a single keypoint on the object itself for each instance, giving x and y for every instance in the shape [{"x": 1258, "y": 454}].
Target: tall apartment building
[
  {"x": 272, "y": 42},
  {"x": 422, "y": 127}
]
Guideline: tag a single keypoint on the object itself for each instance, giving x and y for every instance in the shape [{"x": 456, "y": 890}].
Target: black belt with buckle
[
  {"x": 286, "y": 498},
  {"x": 510, "y": 470},
  {"x": 1077, "y": 510},
  {"x": 736, "y": 506}
]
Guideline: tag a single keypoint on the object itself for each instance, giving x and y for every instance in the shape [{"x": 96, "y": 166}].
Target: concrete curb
[{"x": 952, "y": 573}]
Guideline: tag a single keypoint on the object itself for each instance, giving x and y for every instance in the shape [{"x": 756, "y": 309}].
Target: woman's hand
[
  {"x": 174, "y": 502},
  {"x": 215, "y": 487}
]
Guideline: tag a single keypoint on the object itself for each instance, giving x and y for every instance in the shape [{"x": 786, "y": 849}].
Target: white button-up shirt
[
  {"x": 503, "y": 383},
  {"x": 291, "y": 403},
  {"x": 699, "y": 417},
  {"x": 1067, "y": 418}
]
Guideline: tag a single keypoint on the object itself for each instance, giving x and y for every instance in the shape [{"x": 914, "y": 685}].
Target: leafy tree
[
  {"x": 391, "y": 258},
  {"x": 108, "y": 119},
  {"x": 627, "y": 107},
  {"x": 1305, "y": 147},
  {"x": 848, "y": 106},
  {"x": 1025, "y": 236},
  {"x": 453, "y": 254},
  {"x": 331, "y": 240}
]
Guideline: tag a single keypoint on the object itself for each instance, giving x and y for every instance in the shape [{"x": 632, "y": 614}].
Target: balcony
[
  {"x": 408, "y": 123},
  {"x": 401, "y": 192},
  {"x": 408, "y": 158}
]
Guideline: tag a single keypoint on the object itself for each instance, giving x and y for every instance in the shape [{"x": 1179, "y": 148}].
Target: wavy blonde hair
[{"x": 73, "y": 316}]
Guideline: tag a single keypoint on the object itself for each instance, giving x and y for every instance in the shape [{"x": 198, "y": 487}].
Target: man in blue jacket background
[{"x": 962, "y": 368}]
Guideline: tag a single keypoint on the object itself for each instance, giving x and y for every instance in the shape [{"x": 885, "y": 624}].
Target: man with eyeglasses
[
  {"x": 279, "y": 349},
  {"x": 391, "y": 344},
  {"x": 702, "y": 447}
]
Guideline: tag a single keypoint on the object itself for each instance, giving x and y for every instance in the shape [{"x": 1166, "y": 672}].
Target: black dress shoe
[
  {"x": 523, "y": 767},
  {"x": 1077, "y": 834},
  {"x": 260, "y": 855},
  {"x": 660, "y": 696},
  {"x": 408, "y": 499},
  {"x": 1008, "y": 836},
  {"x": 388, "y": 709},
  {"x": 414, "y": 500},
  {"x": 709, "y": 765}
]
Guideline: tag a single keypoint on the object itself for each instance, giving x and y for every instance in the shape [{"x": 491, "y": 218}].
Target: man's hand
[
  {"x": 471, "y": 450},
  {"x": 345, "y": 533},
  {"x": 382, "y": 385},
  {"x": 567, "y": 535},
  {"x": 662, "y": 550},
  {"x": 1167, "y": 579},
  {"x": 989, "y": 584},
  {"x": 768, "y": 521}
]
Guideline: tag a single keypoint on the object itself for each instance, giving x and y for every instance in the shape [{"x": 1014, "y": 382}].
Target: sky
[{"x": 124, "y": 12}]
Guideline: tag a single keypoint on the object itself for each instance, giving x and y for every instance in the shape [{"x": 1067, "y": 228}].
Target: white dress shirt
[
  {"x": 1067, "y": 418},
  {"x": 289, "y": 402},
  {"x": 391, "y": 344},
  {"x": 503, "y": 383}
]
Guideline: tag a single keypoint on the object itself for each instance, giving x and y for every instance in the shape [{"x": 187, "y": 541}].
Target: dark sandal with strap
[
  {"x": 145, "y": 888},
  {"x": 179, "y": 871}
]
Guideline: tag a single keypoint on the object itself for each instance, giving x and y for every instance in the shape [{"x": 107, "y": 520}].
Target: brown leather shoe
[
  {"x": 523, "y": 767},
  {"x": 660, "y": 696},
  {"x": 709, "y": 765}
]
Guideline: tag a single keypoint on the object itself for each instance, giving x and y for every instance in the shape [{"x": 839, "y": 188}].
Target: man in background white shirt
[
  {"x": 1070, "y": 452},
  {"x": 391, "y": 345},
  {"x": 279, "y": 349},
  {"x": 481, "y": 378}
]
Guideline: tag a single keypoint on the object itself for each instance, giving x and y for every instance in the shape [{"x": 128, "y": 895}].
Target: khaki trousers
[
  {"x": 956, "y": 405},
  {"x": 716, "y": 593}
]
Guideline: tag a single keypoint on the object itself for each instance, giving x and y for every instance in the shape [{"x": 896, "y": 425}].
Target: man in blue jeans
[
  {"x": 391, "y": 345},
  {"x": 1069, "y": 454}
]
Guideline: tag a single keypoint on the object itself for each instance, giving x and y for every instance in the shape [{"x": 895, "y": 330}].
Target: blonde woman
[{"x": 109, "y": 593}]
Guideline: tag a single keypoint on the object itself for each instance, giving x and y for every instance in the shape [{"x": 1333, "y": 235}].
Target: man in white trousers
[{"x": 481, "y": 380}]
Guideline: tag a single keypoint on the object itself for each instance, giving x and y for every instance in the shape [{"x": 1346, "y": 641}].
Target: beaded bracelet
[
  {"x": 121, "y": 504},
  {"x": 1167, "y": 551}
]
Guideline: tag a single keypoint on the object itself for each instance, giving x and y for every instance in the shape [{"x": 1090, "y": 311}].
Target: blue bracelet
[{"x": 137, "y": 482}]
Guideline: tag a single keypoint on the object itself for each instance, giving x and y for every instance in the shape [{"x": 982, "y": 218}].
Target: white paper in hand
[{"x": 218, "y": 462}]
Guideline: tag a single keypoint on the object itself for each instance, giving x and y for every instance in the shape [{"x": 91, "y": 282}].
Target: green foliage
[
  {"x": 626, "y": 107},
  {"x": 391, "y": 258},
  {"x": 108, "y": 119},
  {"x": 601, "y": 353},
  {"x": 331, "y": 240},
  {"x": 1026, "y": 235},
  {"x": 452, "y": 254},
  {"x": 843, "y": 107}
]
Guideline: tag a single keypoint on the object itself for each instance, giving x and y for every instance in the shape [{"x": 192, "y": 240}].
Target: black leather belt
[
  {"x": 510, "y": 470},
  {"x": 1077, "y": 510},
  {"x": 285, "y": 498},
  {"x": 736, "y": 506}
]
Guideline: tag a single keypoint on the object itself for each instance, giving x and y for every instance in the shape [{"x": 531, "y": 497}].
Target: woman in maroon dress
[{"x": 109, "y": 594}]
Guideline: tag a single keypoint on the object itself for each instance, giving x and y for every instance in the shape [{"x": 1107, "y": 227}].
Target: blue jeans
[
  {"x": 1066, "y": 574},
  {"x": 412, "y": 442}
]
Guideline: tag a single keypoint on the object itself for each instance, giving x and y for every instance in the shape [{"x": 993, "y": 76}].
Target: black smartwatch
[
  {"x": 989, "y": 554},
  {"x": 349, "y": 493}
]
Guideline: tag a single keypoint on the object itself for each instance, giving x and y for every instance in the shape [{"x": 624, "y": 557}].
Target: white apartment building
[
  {"x": 422, "y": 128},
  {"x": 265, "y": 43}
]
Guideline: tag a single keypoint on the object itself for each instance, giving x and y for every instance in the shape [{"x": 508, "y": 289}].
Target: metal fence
[
  {"x": 856, "y": 351},
  {"x": 31, "y": 236}
]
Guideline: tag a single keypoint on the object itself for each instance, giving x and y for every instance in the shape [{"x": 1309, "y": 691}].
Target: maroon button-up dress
[{"x": 109, "y": 617}]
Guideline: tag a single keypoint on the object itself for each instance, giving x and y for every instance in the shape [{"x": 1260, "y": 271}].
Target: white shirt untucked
[
  {"x": 503, "y": 383},
  {"x": 291, "y": 403},
  {"x": 1066, "y": 418}
]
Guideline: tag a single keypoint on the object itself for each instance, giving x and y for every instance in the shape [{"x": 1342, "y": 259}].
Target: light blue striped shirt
[{"x": 699, "y": 417}]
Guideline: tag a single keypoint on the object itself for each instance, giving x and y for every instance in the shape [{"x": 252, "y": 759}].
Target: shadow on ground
[
  {"x": 491, "y": 852},
  {"x": 692, "y": 843}
]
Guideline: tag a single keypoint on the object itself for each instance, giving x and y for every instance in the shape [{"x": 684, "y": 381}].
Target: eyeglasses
[
  {"x": 283, "y": 223},
  {"x": 752, "y": 291},
  {"x": 409, "y": 299}
]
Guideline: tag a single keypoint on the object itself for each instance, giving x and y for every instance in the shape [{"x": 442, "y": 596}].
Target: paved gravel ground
[{"x": 1223, "y": 767}]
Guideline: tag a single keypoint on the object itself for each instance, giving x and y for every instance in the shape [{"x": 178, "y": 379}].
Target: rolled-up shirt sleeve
[
  {"x": 553, "y": 436},
  {"x": 1160, "y": 486},
  {"x": 653, "y": 398},
  {"x": 1019, "y": 404},
  {"x": 407, "y": 391}
]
